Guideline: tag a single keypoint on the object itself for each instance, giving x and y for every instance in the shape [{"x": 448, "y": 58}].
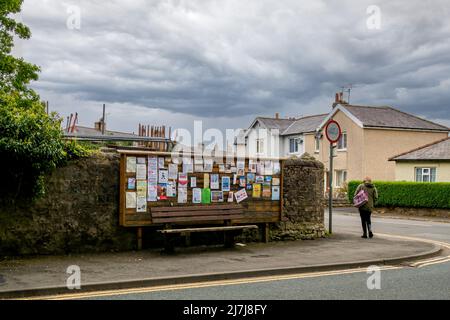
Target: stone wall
[
  {"x": 303, "y": 208},
  {"x": 79, "y": 213}
]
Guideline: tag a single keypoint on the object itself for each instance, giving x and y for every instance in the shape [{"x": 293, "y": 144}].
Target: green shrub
[{"x": 408, "y": 194}]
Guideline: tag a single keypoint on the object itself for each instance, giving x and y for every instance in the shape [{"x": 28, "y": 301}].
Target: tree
[{"x": 30, "y": 140}]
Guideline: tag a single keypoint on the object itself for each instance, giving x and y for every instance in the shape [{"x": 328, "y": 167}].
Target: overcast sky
[{"x": 225, "y": 62}]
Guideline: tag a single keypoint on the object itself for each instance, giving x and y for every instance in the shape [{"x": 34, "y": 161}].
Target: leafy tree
[{"x": 30, "y": 140}]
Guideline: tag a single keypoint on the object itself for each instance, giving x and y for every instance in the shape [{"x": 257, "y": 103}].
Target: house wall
[
  {"x": 405, "y": 171},
  {"x": 351, "y": 159},
  {"x": 380, "y": 145},
  {"x": 285, "y": 146},
  {"x": 273, "y": 145}
]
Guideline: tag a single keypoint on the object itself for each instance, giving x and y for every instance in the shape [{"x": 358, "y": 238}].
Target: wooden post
[
  {"x": 266, "y": 233},
  {"x": 139, "y": 238}
]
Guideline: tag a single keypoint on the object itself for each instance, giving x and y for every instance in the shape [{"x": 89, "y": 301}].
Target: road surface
[{"x": 424, "y": 281}]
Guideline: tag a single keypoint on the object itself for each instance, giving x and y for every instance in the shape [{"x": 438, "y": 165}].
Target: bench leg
[
  {"x": 139, "y": 238},
  {"x": 168, "y": 244},
  {"x": 229, "y": 238},
  {"x": 266, "y": 233},
  {"x": 188, "y": 239}
]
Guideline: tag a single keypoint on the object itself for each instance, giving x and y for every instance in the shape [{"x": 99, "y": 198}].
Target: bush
[{"x": 408, "y": 194}]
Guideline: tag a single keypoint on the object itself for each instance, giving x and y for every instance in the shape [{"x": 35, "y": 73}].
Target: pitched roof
[
  {"x": 388, "y": 117},
  {"x": 305, "y": 124},
  {"x": 439, "y": 150},
  {"x": 274, "y": 123}
]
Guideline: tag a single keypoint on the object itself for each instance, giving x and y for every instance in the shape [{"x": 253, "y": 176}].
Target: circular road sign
[{"x": 333, "y": 131}]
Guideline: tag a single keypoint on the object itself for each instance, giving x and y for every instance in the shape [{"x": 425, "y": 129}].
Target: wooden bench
[{"x": 194, "y": 215}]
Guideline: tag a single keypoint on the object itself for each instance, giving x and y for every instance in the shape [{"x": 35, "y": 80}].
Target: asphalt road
[{"x": 427, "y": 282}]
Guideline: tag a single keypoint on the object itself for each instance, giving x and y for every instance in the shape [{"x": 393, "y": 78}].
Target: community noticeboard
[{"x": 151, "y": 179}]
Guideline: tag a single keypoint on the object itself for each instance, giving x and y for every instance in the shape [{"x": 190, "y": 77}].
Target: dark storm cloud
[{"x": 223, "y": 58}]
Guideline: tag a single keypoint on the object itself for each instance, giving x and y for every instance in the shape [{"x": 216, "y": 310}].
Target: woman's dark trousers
[{"x": 366, "y": 221}]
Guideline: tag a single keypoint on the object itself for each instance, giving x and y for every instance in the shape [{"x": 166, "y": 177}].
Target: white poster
[
  {"x": 172, "y": 189},
  {"x": 196, "y": 195},
  {"x": 208, "y": 166},
  {"x": 188, "y": 168},
  {"x": 275, "y": 193},
  {"x": 182, "y": 194},
  {"x": 241, "y": 195},
  {"x": 268, "y": 167},
  {"x": 215, "y": 181},
  {"x": 173, "y": 171},
  {"x": 130, "y": 200},
  {"x": 141, "y": 204},
  {"x": 276, "y": 168},
  {"x": 152, "y": 170},
  {"x": 193, "y": 182},
  {"x": 131, "y": 164},
  {"x": 163, "y": 176},
  {"x": 160, "y": 163},
  {"x": 141, "y": 172},
  {"x": 240, "y": 164},
  {"x": 152, "y": 192},
  {"x": 226, "y": 183}
]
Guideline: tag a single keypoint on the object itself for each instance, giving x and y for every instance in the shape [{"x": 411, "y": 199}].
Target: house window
[
  {"x": 259, "y": 145},
  {"x": 342, "y": 143},
  {"x": 294, "y": 145},
  {"x": 341, "y": 178},
  {"x": 425, "y": 174},
  {"x": 317, "y": 145}
]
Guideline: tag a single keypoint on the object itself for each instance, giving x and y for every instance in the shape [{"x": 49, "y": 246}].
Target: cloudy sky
[{"x": 224, "y": 62}]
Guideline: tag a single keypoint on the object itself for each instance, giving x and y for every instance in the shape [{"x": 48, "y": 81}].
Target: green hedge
[{"x": 408, "y": 194}]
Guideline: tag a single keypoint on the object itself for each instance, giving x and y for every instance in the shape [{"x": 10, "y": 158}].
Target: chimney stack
[{"x": 277, "y": 115}]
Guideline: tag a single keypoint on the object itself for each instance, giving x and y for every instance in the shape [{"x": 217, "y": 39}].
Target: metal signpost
[{"x": 333, "y": 133}]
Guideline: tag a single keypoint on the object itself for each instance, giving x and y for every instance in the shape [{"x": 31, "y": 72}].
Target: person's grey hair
[{"x": 367, "y": 180}]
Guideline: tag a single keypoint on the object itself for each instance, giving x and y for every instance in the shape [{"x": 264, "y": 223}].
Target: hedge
[{"x": 408, "y": 194}]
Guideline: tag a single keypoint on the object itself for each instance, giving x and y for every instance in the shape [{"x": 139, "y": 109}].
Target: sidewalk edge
[{"x": 196, "y": 278}]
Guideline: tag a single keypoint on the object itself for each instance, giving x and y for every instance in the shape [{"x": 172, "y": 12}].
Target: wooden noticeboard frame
[{"x": 256, "y": 210}]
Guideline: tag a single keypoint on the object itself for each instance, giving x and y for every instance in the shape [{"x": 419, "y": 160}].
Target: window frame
[
  {"x": 342, "y": 140},
  {"x": 259, "y": 146},
  {"x": 317, "y": 144},
  {"x": 429, "y": 172},
  {"x": 297, "y": 143},
  {"x": 344, "y": 176}
]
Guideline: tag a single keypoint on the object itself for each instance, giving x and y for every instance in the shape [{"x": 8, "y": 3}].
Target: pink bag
[{"x": 360, "y": 199}]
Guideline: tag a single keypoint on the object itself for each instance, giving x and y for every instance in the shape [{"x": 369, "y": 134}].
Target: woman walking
[{"x": 365, "y": 210}]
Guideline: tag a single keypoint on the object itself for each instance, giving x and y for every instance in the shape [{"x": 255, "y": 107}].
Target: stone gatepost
[{"x": 302, "y": 215}]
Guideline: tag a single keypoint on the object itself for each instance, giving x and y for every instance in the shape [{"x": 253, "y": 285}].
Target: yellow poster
[
  {"x": 256, "y": 190},
  {"x": 206, "y": 180}
]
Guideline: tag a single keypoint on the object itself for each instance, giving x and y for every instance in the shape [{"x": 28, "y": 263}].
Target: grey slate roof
[
  {"x": 388, "y": 117},
  {"x": 273, "y": 123},
  {"x": 305, "y": 124},
  {"x": 439, "y": 150}
]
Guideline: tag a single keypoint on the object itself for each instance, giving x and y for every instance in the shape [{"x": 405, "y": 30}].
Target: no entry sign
[{"x": 333, "y": 131}]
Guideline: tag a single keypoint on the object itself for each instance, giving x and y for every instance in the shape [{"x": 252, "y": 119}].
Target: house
[
  {"x": 371, "y": 136},
  {"x": 428, "y": 163}
]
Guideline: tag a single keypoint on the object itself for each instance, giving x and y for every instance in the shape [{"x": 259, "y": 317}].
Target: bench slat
[
  {"x": 208, "y": 229},
  {"x": 197, "y": 218},
  {"x": 196, "y": 213},
  {"x": 198, "y": 208}
]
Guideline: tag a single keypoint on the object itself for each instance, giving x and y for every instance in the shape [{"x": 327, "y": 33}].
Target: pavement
[{"x": 47, "y": 275}]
